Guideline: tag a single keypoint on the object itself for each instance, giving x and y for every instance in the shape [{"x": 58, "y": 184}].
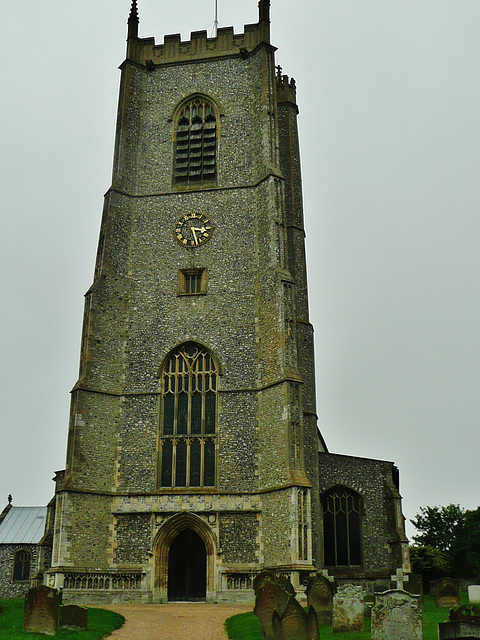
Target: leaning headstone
[
  {"x": 446, "y": 592},
  {"x": 312, "y": 625},
  {"x": 348, "y": 612},
  {"x": 294, "y": 623},
  {"x": 41, "y": 611},
  {"x": 474, "y": 594},
  {"x": 261, "y": 578},
  {"x": 270, "y": 597},
  {"x": 73, "y": 617},
  {"x": 396, "y": 616},
  {"x": 463, "y": 623},
  {"x": 285, "y": 584},
  {"x": 415, "y": 587},
  {"x": 320, "y": 596}
]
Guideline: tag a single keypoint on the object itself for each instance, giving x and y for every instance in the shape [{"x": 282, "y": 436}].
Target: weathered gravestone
[
  {"x": 463, "y": 624},
  {"x": 474, "y": 594},
  {"x": 73, "y": 617},
  {"x": 446, "y": 592},
  {"x": 269, "y": 597},
  {"x": 285, "y": 584},
  {"x": 320, "y": 592},
  {"x": 396, "y": 616},
  {"x": 348, "y": 614},
  {"x": 415, "y": 587},
  {"x": 41, "y": 611},
  {"x": 261, "y": 578},
  {"x": 294, "y": 623}
]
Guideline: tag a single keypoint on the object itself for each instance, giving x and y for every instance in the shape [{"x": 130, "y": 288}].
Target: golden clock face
[{"x": 192, "y": 229}]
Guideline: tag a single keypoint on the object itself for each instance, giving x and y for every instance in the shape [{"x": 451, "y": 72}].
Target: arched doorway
[{"x": 187, "y": 567}]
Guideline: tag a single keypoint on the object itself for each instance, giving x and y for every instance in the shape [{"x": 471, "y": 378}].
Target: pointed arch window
[
  {"x": 342, "y": 527},
  {"x": 195, "y": 139},
  {"x": 21, "y": 566},
  {"x": 188, "y": 418}
]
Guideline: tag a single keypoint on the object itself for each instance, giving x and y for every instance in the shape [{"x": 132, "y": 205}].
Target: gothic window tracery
[
  {"x": 195, "y": 137},
  {"x": 188, "y": 418},
  {"x": 342, "y": 527}
]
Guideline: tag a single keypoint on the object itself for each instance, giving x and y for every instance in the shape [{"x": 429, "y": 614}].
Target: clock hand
[{"x": 193, "y": 229}]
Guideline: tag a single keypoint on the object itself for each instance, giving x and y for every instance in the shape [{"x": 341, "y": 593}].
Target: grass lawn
[
  {"x": 100, "y": 624},
  {"x": 246, "y": 626}
]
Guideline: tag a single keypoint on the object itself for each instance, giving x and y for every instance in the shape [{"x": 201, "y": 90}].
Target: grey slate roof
[{"x": 23, "y": 525}]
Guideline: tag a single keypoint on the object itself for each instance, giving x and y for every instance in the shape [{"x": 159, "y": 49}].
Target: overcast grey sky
[{"x": 389, "y": 97}]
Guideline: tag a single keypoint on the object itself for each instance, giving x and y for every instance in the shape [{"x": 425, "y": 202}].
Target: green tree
[
  {"x": 439, "y": 527},
  {"x": 471, "y": 538},
  {"x": 453, "y": 531},
  {"x": 430, "y": 562}
]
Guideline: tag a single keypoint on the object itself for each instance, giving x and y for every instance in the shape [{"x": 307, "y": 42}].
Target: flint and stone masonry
[{"x": 194, "y": 459}]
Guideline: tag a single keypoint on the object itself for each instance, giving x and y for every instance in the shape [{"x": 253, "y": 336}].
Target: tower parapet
[
  {"x": 146, "y": 52},
  {"x": 286, "y": 88}
]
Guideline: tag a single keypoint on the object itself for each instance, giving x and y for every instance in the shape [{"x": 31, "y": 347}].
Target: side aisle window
[
  {"x": 22, "y": 564},
  {"x": 342, "y": 527},
  {"x": 195, "y": 140}
]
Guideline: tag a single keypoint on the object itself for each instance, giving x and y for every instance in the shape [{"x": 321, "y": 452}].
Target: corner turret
[
  {"x": 133, "y": 21},
  {"x": 264, "y": 19}
]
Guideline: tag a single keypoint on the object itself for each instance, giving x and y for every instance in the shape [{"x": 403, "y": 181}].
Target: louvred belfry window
[
  {"x": 195, "y": 142},
  {"x": 188, "y": 419}
]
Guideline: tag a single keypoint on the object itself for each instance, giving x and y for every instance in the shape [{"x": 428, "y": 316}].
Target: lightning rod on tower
[{"x": 215, "y": 20}]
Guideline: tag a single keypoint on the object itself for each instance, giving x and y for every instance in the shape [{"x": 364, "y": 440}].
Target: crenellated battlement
[
  {"x": 286, "y": 88},
  {"x": 145, "y": 51}
]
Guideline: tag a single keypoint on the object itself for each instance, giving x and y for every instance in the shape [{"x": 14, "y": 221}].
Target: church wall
[
  {"x": 273, "y": 436},
  {"x": 368, "y": 478},
  {"x": 133, "y": 539},
  {"x": 238, "y": 448},
  {"x": 87, "y": 530},
  {"x": 239, "y": 533},
  {"x": 93, "y": 440},
  {"x": 277, "y": 522},
  {"x": 10, "y": 588}
]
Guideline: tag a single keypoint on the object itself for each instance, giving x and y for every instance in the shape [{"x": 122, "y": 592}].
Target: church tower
[
  {"x": 193, "y": 449},
  {"x": 192, "y": 446}
]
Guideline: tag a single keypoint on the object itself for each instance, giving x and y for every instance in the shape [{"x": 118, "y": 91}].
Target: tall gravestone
[
  {"x": 396, "y": 616},
  {"x": 348, "y": 609},
  {"x": 463, "y": 623},
  {"x": 270, "y": 597},
  {"x": 294, "y": 623},
  {"x": 320, "y": 592},
  {"x": 41, "y": 611},
  {"x": 446, "y": 592}
]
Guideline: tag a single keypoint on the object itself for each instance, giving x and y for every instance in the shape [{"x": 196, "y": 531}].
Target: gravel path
[{"x": 174, "y": 621}]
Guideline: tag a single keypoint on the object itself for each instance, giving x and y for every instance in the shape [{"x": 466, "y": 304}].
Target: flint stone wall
[{"x": 10, "y": 588}]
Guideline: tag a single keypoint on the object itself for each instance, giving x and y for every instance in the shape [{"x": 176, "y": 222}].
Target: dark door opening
[{"x": 187, "y": 567}]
